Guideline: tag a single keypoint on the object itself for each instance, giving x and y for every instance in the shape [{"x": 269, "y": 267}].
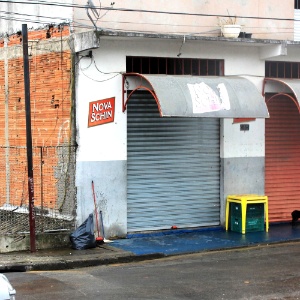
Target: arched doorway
[{"x": 282, "y": 165}]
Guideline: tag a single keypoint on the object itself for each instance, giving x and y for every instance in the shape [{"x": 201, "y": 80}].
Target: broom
[{"x": 99, "y": 239}]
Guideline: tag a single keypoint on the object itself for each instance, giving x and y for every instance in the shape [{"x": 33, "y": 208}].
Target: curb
[{"x": 60, "y": 264}]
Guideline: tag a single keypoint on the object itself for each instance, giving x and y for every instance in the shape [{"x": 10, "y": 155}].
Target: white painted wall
[
  {"x": 237, "y": 143},
  {"x": 102, "y": 151},
  {"x": 105, "y": 142}
]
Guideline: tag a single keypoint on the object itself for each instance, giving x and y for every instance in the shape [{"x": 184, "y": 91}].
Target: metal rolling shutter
[
  {"x": 282, "y": 177},
  {"x": 173, "y": 168}
]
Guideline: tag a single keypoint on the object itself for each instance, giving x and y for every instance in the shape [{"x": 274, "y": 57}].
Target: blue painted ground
[{"x": 196, "y": 240}]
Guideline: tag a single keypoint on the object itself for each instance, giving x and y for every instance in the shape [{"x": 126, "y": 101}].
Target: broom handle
[{"x": 97, "y": 222}]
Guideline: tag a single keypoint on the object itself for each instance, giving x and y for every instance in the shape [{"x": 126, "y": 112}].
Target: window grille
[
  {"x": 175, "y": 66},
  {"x": 280, "y": 69}
]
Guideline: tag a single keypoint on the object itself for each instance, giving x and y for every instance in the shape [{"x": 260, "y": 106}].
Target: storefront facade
[
  {"x": 159, "y": 157},
  {"x": 159, "y": 164}
]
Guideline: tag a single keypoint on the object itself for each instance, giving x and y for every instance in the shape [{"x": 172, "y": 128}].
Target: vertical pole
[
  {"x": 6, "y": 130},
  {"x": 28, "y": 138},
  {"x": 42, "y": 189}
]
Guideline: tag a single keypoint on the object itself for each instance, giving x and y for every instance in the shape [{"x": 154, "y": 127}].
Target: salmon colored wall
[{"x": 195, "y": 25}]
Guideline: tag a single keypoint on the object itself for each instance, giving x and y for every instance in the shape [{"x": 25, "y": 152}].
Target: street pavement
[{"x": 261, "y": 272}]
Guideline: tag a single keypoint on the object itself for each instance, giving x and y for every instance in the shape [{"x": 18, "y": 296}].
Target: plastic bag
[{"x": 83, "y": 237}]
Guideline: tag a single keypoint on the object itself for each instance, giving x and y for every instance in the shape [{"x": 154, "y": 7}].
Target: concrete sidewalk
[
  {"x": 66, "y": 258},
  {"x": 146, "y": 246}
]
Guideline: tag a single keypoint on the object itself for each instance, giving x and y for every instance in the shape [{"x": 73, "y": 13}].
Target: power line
[
  {"x": 25, "y": 15},
  {"x": 19, "y": 17},
  {"x": 30, "y": 2},
  {"x": 22, "y": 18},
  {"x": 12, "y": 18},
  {"x": 110, "y": 8},
  {"x": 39, "y": 19},
  {"x": 194, "y": 14},
  {"x": 77, "y": 24}
]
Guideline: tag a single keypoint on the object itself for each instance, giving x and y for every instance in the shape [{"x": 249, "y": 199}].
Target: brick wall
[{"x": 51, "y": 119}]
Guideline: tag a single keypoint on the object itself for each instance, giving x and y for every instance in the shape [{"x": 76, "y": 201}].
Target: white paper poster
[{"x": 205, "y": 99}]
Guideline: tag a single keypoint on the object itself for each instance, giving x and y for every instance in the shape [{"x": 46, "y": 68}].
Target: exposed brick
[
  {"x": 56, "y": 32},
  {"x": 50, "y": 77}
]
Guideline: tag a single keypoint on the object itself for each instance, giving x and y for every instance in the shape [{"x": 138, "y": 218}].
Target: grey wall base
[
  {"x": 21, "y": 242},
  {"x": 110, "y": 185},
  {"x": 241, "y": 176}
]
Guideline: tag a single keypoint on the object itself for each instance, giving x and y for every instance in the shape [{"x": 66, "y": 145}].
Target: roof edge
[
  {"x": 91, "y": 39},
  {"x": 137, "y": 34}
]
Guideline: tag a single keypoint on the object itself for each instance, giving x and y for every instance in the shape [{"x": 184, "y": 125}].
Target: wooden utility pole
[{"x": 28, "y": 138}]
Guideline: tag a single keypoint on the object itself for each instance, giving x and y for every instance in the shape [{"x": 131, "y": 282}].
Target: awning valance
[{"x": 194, "y": 96}]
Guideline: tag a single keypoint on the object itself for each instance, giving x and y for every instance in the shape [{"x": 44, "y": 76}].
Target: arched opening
[{"x": 282, "y": 159}]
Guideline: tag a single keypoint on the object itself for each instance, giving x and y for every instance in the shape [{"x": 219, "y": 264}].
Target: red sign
[{"x": 101, "y": 112}]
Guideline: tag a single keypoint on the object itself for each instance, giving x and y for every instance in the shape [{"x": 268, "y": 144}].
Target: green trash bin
[{"x": 254, "y": 217}]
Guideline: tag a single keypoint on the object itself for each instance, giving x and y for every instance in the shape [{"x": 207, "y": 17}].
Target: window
[
  {"x": 279, "y": 69},
  {"x": 297, "y": 4},
  {"x": 175, "y": 66}
]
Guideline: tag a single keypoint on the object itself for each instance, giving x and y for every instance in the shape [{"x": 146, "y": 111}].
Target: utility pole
[{"x": 28, "y": 138}]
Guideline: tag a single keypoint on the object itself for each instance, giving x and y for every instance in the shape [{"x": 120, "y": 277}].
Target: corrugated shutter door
[
  {"x": 282, "y": 177},
  {"x": 173, "y": 168}
]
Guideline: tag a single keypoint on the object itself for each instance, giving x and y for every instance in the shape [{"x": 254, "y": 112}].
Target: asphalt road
[{"x": 267, "y": 272}]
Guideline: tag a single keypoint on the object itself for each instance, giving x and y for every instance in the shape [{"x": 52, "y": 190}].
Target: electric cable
[
  {"x": 110, "y": 8},
  {"x": 107, "y": 73},
  {"x": 103, "y": 80},
  {"x": 81, "y": 25}
]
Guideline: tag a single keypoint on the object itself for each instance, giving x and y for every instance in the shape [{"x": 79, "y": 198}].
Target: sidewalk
[{"x": 146, "y": 246}]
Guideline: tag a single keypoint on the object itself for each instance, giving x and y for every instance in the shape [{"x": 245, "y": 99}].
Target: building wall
[
  {"x": 200, "y": 18},
  {"x": 102, "y": 151},
  {"x": 51, "y": 79},
  {"x": 262, "y": 18},
  {"x": 13, "y": 15},
  {"x": 243, "y": 152},
  {"x": 242, "y": 160}
]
